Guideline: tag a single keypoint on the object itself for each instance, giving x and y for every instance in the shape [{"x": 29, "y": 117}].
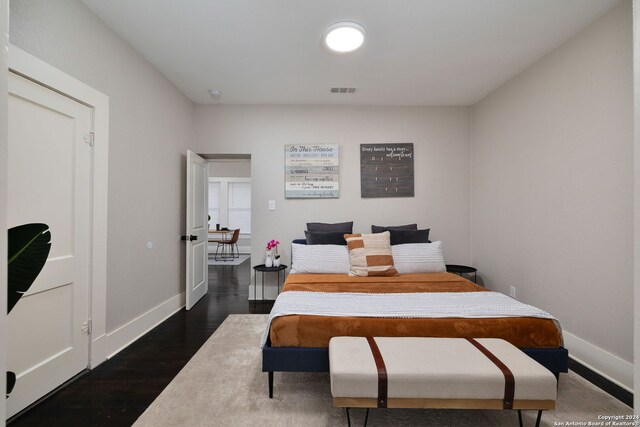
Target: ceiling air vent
[{"x": 344, "y": 89}]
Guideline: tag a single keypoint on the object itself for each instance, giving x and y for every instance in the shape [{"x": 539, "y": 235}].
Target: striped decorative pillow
[{"x": 370, "y": 254}]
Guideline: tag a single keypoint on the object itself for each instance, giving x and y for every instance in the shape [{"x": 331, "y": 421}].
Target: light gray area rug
[
  {"x": 235, "y": 261},
  {"x": 222, "y": 385}
]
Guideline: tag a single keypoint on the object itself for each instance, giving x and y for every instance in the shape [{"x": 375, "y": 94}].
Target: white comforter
[{"x": 416, "y": 305}]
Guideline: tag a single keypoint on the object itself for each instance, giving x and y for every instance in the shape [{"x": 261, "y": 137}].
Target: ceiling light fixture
[
  {"x": 216, "y": 93},
  {"x": 344, "y": 37}
]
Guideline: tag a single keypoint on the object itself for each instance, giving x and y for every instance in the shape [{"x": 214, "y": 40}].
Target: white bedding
[
  {"x": 399, "y": 305},
  {"x": 334, "y": 259}
]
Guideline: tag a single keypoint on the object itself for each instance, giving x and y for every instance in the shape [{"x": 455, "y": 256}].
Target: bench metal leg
[
  {"x": 366, "y": 417},
  {"x": 537, "y": 419},
  {"x": 270, "y": 384}
]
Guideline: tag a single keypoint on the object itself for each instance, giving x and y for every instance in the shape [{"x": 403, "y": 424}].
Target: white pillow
[
  {"x": 319, "y": 259},
  {"x": 418, "y": 258}
]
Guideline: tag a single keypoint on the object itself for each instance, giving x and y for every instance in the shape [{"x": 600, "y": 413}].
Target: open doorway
[{"x": 229, "y": 204}]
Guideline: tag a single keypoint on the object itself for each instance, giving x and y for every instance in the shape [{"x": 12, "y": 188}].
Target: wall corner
[{"x": 636, "y": 201}]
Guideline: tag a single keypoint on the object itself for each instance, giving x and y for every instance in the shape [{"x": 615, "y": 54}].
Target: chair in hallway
[{"x": 228, "y": 249}]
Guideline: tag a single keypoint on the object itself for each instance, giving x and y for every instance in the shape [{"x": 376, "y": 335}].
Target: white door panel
[
  {"x": 197, "y": 228},
  {"x": 47, "y": 339},
  {"x": 49, "y": 181}
]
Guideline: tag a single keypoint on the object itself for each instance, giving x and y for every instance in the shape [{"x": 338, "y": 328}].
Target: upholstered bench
[{"x": 408, "y": 372}]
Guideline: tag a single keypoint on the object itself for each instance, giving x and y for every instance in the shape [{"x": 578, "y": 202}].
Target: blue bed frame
[{"x": 316, "y": 359}]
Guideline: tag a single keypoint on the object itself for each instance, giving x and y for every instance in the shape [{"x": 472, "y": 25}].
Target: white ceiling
[{"x": 417, "y": 52}]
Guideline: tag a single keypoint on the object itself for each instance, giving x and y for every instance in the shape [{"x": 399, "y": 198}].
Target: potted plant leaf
[{"x": 28, "y": 249}]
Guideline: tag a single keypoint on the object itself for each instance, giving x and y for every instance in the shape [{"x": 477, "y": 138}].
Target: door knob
[{"x": 191, "y": 238}]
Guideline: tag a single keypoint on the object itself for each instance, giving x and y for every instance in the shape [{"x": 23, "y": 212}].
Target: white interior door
[
  {"x": 49, "y": 181},
  {"x": 197, "y": 228}
]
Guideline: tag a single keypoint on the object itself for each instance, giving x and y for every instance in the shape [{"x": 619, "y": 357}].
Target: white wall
[
  {"x": 3, "y": 196},
  {"x": 230, "y": 168},
  {"x": 552, "y": 192},
  {"x": 151, "y": 127},
  {"x": 636, "y": 192},
  {"x": 441, "y": 145}
]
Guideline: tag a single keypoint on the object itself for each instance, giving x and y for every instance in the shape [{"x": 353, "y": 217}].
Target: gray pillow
[
  {"x": 400, "y": 237},
  {"x": 342, "y": 227},
  {"x": 383, "y": 228},
  {"x": 325, "y": 238}
]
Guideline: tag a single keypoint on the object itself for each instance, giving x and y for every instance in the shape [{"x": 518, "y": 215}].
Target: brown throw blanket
[{"x": 316, "y": 331}]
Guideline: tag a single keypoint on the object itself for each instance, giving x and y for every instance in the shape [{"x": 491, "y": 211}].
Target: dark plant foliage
[{"x": 29, "y": 247}]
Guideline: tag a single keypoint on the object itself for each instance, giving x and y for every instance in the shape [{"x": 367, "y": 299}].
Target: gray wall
[
  {"x": 3, "y": 190},
  {"x": 552, "y": 192},
  {"x": 237, "y": 168},
  {"x": 636, "y": 155},
  {"x": 151, "y": 127},
  {"x": 442, "y": 169}
]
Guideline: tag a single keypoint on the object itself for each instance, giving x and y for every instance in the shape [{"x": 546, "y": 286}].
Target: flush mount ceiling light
[{"x": 344, "y": 37}]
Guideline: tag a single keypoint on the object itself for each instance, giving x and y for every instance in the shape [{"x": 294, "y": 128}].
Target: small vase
[
  {"x": 276, "y": 262},
  {"x": 268, "y": 262}
]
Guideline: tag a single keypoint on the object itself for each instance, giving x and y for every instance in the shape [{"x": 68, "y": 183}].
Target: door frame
[{"x": 32, "y": 68}]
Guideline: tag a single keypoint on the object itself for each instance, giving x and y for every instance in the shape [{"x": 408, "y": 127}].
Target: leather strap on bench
[
  {"x": 509, "y": 382},
  {"x": 382, "y": 373}
]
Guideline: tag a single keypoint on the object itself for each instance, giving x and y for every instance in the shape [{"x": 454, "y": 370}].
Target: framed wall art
[
  {"x": 386, "y": 170},
  {"x": 311, "y": 171}
]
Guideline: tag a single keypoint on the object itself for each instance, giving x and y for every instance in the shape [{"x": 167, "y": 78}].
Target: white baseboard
[
  {"x": 108, "y": 345},
  {"x": 610, "y": 366}
]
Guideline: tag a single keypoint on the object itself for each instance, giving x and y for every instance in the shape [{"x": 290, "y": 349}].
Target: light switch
[{"x": 272, "y": 205}]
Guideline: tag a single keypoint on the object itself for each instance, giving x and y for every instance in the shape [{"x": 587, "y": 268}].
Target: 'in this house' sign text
[
  {"x": 386, "y": 170},
  {"x": 311, "y": 171}
]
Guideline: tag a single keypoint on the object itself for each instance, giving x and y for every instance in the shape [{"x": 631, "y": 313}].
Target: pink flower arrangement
[{"x": 272, "y": 244}]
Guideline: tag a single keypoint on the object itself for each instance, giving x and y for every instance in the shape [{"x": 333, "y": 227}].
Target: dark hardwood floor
[{"x": 117, "y": 392}]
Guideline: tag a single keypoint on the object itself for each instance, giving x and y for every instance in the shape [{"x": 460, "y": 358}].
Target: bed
[{"x": 311, "y": 310}]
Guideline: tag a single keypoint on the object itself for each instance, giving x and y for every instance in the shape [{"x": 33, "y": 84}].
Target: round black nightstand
[
  {"x": 462, "y": 269},
  {"x": 263, "y": 269}
]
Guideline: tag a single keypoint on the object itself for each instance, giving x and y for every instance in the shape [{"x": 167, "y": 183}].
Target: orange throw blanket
[{"x": 316, "y": 331}]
